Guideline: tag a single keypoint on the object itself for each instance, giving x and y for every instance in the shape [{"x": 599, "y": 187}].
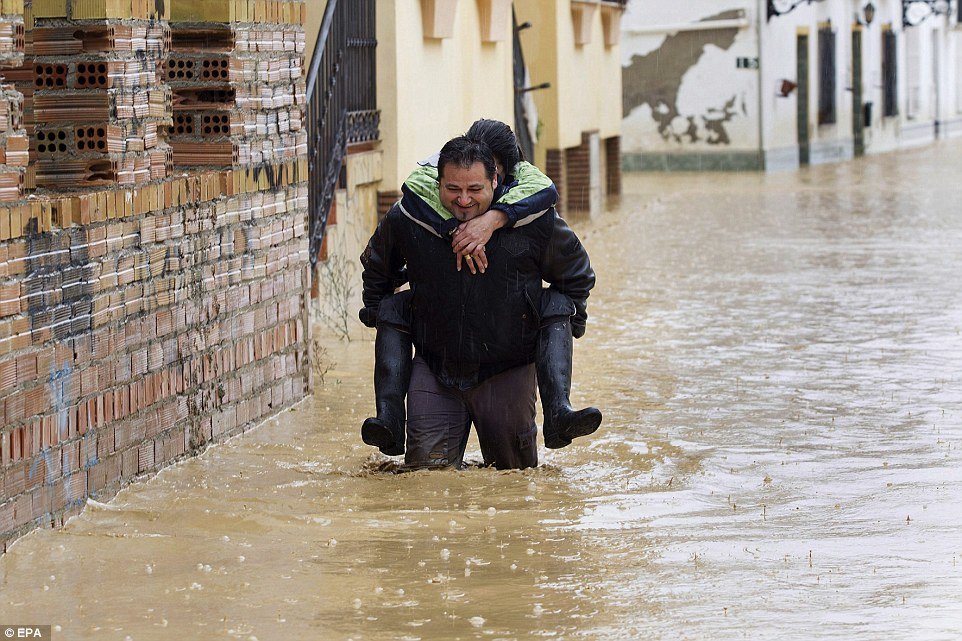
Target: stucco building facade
[
  {"x": 549, "y": 68},
  {"x": 775, "y": 84}
]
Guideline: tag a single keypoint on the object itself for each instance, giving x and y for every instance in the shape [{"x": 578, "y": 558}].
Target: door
[
  {"x": 858, "y": 120},
  {"x": 936, "y": 83},
  {"x": 804, "y": 156}
]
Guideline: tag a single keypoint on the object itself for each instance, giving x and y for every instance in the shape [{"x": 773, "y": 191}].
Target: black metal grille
[{"x": 341, "y": 101}]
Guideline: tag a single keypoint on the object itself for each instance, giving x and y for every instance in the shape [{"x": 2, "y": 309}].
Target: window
[
  {"x": 826, "y": 76},
  {"x": 890, "y": 88}
]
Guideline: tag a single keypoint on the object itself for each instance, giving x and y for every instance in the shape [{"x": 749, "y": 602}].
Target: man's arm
[
  {"x": 566, "y": 267},
  {"x": 529, "y": 194},
  {"x": 383, "y": 267}
]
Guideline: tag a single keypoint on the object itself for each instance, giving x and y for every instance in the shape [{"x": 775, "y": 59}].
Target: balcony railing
[{"x": 341, "y": 102}]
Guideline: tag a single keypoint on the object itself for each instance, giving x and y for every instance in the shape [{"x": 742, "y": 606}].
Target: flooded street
[{"x": 779, "y": 361}]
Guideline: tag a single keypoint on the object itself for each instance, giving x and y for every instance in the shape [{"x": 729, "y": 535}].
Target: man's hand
[
  {"x": 471, "y": 236},
  {"x": 476, "y": 262}
]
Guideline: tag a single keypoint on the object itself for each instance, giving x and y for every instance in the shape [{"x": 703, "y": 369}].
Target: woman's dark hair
[
  {"x": 464, "y": 152},
  {"x": 500, "y": 139}
]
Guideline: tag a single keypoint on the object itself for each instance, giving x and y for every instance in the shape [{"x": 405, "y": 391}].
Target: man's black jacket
[{"x": 469, "y": 327}]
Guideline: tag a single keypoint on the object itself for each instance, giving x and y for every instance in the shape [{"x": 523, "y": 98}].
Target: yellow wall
[
  {"x": 430, "y": 90},
  {"x": 585, "y": 91},
  {"x": 315, "y": 11}
]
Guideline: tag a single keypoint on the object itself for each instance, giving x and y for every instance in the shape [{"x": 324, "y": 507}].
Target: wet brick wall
[{"x": 146, "y": 315}]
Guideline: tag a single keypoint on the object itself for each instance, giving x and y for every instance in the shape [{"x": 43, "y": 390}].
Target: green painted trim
[{"x": 693, "y": 161}]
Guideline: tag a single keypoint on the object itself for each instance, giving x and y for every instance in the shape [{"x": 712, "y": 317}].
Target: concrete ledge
[
  {"x": 693, "y": 161},
  {"x": 781, "y": 159},
  {"x": 915, "y": 134},
  {"x": 950, "y": 127},
  {"x": 833, "y": 150}
]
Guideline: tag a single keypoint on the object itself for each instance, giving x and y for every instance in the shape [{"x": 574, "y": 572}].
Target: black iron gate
[{"x": 341, "y": 101}]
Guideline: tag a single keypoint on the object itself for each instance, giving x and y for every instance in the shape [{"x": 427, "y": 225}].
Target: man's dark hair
[
  {"x": 464, "y": 152},
  {"x": 500, "y": 139}
]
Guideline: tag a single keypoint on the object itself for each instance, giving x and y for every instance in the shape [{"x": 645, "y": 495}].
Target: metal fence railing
[{"x": 341, "y": 102}]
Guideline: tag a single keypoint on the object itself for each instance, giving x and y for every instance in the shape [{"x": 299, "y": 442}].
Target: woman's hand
[{"x": 471, "y": 236}]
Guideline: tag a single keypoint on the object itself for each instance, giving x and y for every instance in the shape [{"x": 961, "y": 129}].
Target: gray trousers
[{"x": 502, "y": 409}]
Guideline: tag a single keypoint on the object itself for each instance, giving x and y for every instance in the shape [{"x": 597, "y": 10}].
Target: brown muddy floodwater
[{"x": 779, "y": 361}]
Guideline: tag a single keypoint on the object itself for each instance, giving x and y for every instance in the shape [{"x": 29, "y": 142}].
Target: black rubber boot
[
  {"x": 392, "y": 375},
  {"x": 553, "y": 362}
]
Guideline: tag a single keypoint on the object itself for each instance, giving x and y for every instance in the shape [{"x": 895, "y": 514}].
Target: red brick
[
  {"x": 23, "y": 510},
  {"x": 17, "y": 444},
  {"x": 75, "y": 487},
  {"x": 114, "y": 468},
  {"x": 13, "y": 408},
  {"x": 88, "y": 449},
  {"x": 7, "y": 516},
  {"x": 130, "y": 460},
  {"x": 82, "y": 412},
  {"x": 96, "y": 478},
  {"x": 146, "y": 456},
  {"x": 35, "y": 471},
  {"x": 70, "y": 457},
  {"x": 14, "y": 480},
  {"x": 42, "y": 500}
]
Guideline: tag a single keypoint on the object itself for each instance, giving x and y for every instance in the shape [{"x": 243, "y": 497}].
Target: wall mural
[{"x": 654, "y": 79}]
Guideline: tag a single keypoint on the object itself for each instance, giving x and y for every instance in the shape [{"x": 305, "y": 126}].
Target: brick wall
[
  {"x": 144, "y": 318},
  {"x": 386, "y": 200},
  {"x": 578, "y": 174},
  {"x": 586, "y": 173}
]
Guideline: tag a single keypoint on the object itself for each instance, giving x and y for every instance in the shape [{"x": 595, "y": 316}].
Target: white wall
[
  {"x": 585, "y": 79},
  {"x": 929, "y": 63},
  {"x": 692, "y": 97},
  {"x": 828, "y": 142},
  {"x": 431, "y": 89},
  {"x": 956, "y": 57},
  {"x": 884, "y": 133}
]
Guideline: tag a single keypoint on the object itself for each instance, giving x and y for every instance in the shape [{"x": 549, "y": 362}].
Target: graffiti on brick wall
[{"x": 655, "y": 79}]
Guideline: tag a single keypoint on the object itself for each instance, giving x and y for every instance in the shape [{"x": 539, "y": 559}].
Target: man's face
[{"x": 466, "y": 192}]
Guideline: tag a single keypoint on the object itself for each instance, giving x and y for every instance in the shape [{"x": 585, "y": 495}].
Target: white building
[{"x": 772, "y": 84}]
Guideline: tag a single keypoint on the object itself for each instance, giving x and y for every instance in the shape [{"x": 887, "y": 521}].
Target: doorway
[
  {"x": 804, "y": 151},
  {"x": 858, "y": 106}
]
